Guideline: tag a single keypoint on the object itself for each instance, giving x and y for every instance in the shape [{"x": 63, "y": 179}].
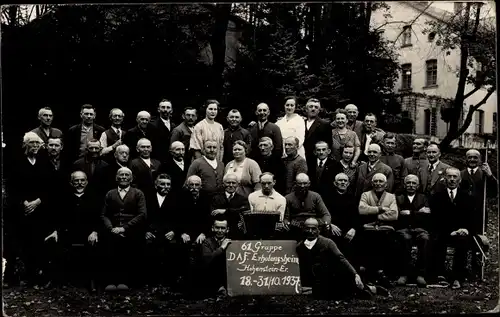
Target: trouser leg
[
  {"x": 461, "y": 245},
  {"x": 438, "y": 259},
  {"x": 422, "y": 241},
  {"x": 405, "y": 244}
]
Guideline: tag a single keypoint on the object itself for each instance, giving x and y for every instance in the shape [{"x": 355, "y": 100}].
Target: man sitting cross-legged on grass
[
  {"x": 413, "y": 225},
  {"x": 325, "y": 269}
]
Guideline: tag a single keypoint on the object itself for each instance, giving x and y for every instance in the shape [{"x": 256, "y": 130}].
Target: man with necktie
[
  {"x": 112, "y": 137},
  {"x": 432, "y": 179},
  {"x": 321, "y": 169}
]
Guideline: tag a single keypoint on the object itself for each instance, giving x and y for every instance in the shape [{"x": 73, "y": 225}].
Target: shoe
[
  {"x": 402, "y": 280},
  {"x": 222, "y": 291},
  {"x": 122, "y": 287},
  {"x": 442, "y": 281},
  {"x": 421, "y": 281},
  {"x": 110, "y": 288},
  {"x": 456, "y": 284}
]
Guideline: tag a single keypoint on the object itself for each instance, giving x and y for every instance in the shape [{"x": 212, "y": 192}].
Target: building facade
[{"x": 428, "y": 78}]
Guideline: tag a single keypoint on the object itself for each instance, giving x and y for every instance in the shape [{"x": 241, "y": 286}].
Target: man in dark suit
[
  {"x": 317, "y": 129},
  {"x": 271, "y": 163},
  {"x": 162, "y": 233},
  {"x": 433, "y": 178},
  {"x": 320, "y": 169},
  {"x": 232, "y": 205},
  {"x": 394, "y": 161},
  {"x": 72, "y": 245},
  {"x": 367, "y": 170},
  {"x": 452, "y": 215},
  {"x": 418, "y": 161},
  {"x": 182, "y": 132},
  {"x": 112, "y": 137},
  {"x": 176, "y": 166},
  {"x": 45, "y": 130},
  {"x": 94, "y": 168},
  {"x": 232, "y": 133},
  {"x": 121, "y": 159},
  {"x": 474, "y": 177},
  {"x": 143, "y": 130},
  {"x": 144, "y": 168},
  {"x": 123, "y": 217},
  {"x": 78, "y": 135},
  {"x": 413, "y": 226},
  {"x": 58, "y": 169},
  {"x": 265, "y": 128},
  {"x": 163, "y": 126},
  {"x": 370, "y": 135},
  {"x": 352, "y": 120}
]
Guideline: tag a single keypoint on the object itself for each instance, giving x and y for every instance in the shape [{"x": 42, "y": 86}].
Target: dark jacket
[
  {"x": 321, "y": 181},
  {"x": 182, "y": 134},
  {"x": 343, "y": 209},
  {"x": 320, "y": 131},
  {"x": 364, "y": 181},
  {"x": 212, "y": 267},
  {"x": 415, "y": 219},
  {"x": 129, "y": 213},
  {"x": 270, "y": 130},
  {"x": 448, "y": 216},
  {"x": 273, "y": 164},
  {"x": 144, "y": 175},
  {"x": 97, "y": 181},
  {"x": 134, "y": 135},
  {"x": 161, "y": 139},
  {"x": 195, "y": 215},
  {"x": 72, "y": 141},
  {"x": 230, "y": 136},
  {"x": 162, "y": 219},
  {"x": 178, "y": 176},
  {"x": 234, "y": 209}
]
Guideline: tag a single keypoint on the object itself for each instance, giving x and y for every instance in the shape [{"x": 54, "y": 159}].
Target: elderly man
[
  {"x": 265, "y": 128},
  {"x": 144, "y": 168},
  {"x": 343, "y": 208},
  {"x": 303, "y": 204},
  {"x": 432, "y": 179},
  {"x": 234, "y": 132},
  {"x": 182, "y": 132},
  {"x": 78, "y": 135},
  {"x": 143, "y": 130},
  {"x": 352, "y": 120},
  {"x": 57, "y": 168},
  {"x": 474, "y": 177},
  {"x": 176, "y": 165},
  {"x": 378, "y": 213},
  {"x": 452, "y": 222},
  {"x": 370, "y": 134},
  {"x": 123, "y": 217},
  {"x": 112, "y": 137},
  {"x": 45, "y": 130},
  {"x": 232, "y": 205},
  {"x": 162, "y": 232},
  {"x": 271, "y": 163},
  {"x": 324, "y": 268},
  {"x": 30, "y": 203},
  {"x": 208, "y": 168},
  {"x": 418, "y": 161},
  {"x": 94, "y": 167},
  {"x": 211, "y": 267},
  {"x": 317, "y": 129},
  {"x": 163, "y": 127},
  {"x": 413, "y": 226},
  {"x": 321, "y": 169},
  {"x": 395, "y": 161},
  {"x": 121, "y": 159},
  {"x": 76, "y": 230},
  {"x": 294, "y": 163},
  {"x": 267, "y": 200},
  {"x": 374, "y": 166}
]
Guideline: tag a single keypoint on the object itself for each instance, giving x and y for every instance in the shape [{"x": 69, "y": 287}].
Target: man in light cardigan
[{"x": 378, "y": 212}]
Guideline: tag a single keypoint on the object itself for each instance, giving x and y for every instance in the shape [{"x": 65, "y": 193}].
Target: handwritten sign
[{"x": 268, "y": 267}]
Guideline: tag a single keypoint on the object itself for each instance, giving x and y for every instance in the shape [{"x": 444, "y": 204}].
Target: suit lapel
[
  {"x": 313, "y": 127},
  {"x": 435, "y": 173}
]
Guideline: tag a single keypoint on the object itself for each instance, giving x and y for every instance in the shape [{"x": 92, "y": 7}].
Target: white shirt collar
[
  {"x": 124, "y": 189},
  {"x": 79, "y": 194},
  {"x": 310, "y": 244},
  {"x": 212, "y": 163},
  {"x": 321, "y": 160},
  {"x": 166, "y": 122},
  {"x": 160, "y": 198},
  {"x": 228, "y": 195},
  {"x": 435, "y": 164},
  {"x": 147, "y": 161},
  {"x": 261, "y": 124},
  {"x": 32, "y": 160},
  {"x": 411, "y": 197},
  {"x": 117, "y": 131},
  {"x": 180, "y": 164},
  {"x": 473, "y": 170}
]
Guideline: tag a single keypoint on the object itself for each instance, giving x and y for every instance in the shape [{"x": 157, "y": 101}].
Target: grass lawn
[{"x": 472, "y": 298}]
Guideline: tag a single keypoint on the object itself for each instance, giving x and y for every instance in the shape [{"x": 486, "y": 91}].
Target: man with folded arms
[
  {"x": 378, "y": 212},
  {"x": 303, "y": 204},
  {"x": 412, "y": 226},
  {"x": 123, "y": 216}
]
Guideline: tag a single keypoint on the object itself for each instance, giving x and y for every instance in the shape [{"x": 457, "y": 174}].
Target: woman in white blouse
[
  {"x": 292, "y": 124},
  {"x": 208, "y": 129},
  {"x": 246, "y": 170}
]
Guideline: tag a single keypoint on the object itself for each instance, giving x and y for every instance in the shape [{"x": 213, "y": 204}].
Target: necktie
[
  {"x": 429, "y": 178},
  {"x": 471, "y": 171},
  {"x": 92, "y": 168},
  {"x": 452, "y": 197},
  {"x": 230, "y": 197},
  {"x": 431, "y": 168},
  {"x": 119, "y": 134},
  {"x": 122, "y": 193},
  {"x": 320, "y": 164}
]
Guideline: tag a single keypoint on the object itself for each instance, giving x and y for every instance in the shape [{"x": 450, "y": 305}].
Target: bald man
[
  {"x": 474, "y": 177},
  {"x": 123, "y": 217},
  {"x": 143, "y": 130},
  {"x": 75, "y": 139},
  {"x": 324, "y": 268},
  {"x": 367, "y": 170},
  {"x": 432, "y": 178},
  {"x": 302, "y": 204},
  {"x": 176, "y": 166},
  {"x": 144, "y": 168},
  {"x": 72, "y": 244},
  {"x": 265, "y": 128},
  {"x": 378, "y": 213},
  {"x": 413, "y": 227}
]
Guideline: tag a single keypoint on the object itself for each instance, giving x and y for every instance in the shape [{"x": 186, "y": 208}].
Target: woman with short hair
[{"x": 246, "y": 170}]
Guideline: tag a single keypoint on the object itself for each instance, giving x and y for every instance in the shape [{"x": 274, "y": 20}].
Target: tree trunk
[{"x": 218, "y": 46}]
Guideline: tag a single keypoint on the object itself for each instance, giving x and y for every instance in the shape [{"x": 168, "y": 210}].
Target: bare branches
[
  {"x": 411, "y": 23},
  {"x": 470, "y": 93},
  {"x": 483, "y": 101}
]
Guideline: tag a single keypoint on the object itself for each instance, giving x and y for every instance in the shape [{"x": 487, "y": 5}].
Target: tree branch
[
  {"x": 470, "y": 93},
  {"x": 411, "y": 23},
  {"x": 387, "y": 23},
  {"x": 483, "y": 101}
]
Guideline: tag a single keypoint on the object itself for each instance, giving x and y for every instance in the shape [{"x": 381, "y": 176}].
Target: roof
[{"x": 429, "y": 10}]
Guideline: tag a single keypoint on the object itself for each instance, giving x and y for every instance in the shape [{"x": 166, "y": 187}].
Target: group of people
[{"x": 159, "y": 203}]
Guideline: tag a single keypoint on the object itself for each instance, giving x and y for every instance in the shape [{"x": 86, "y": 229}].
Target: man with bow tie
[
  {"x": 123, "y": 216},
  {"x": 452, "y": 214},
  {"x": 231, "y": 205}
]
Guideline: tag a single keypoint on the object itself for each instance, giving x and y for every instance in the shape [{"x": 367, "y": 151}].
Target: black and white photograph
[{"x": 263, "y": 158}]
